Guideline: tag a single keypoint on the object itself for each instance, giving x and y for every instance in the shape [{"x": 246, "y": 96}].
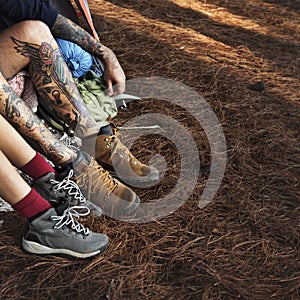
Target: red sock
[
  {"x": 37, "y": 167},
  {"x": 32, "y": 204}
]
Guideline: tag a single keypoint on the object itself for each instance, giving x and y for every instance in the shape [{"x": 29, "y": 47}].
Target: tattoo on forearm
[
  {"x": 19, "y": 115},
  {"x": 66, "y": 29}
]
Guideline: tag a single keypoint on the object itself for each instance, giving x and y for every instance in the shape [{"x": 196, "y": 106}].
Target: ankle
[
  {"x": 105, "y": 130},
  {"x": 37, "y": 167},
  {"x": 32, "y": 205}
]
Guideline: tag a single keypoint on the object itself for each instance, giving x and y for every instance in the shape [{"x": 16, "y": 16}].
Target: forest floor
[{"x": 242, "y": 57}]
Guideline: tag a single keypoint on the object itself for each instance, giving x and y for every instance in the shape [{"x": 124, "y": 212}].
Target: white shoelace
[
  {"x": 72, "y": 142},
  {"x": 66, "y": 219},
  {"x": 70, "y": 187}
]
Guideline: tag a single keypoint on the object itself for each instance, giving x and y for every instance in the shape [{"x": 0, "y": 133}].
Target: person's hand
[{"x": 113, "y": 73}]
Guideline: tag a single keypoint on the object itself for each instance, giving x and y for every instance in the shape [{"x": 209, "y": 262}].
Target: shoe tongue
[
  {"x": 82, "y": 160},
  {"x": 63, "y": 171},
  {"x": 46, "y": 177},
  {"x": 61, "y": 208}
]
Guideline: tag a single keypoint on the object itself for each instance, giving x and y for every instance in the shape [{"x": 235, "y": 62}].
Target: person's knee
[{"x": 34, "y": 31}]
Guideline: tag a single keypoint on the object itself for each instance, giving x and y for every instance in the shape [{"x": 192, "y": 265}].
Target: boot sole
[
  {"x": 36, "y": 248},
  {"x": 133, "y": 207},
  {"x": 136, "y": 181},
  {"x": 125, "y": 213}
]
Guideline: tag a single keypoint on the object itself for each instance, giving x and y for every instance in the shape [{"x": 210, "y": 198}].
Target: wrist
[{"x": 107, "y": 56}]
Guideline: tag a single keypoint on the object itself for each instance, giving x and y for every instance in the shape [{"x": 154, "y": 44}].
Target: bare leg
[
  {"x": 33, "y": 41},
  {"x": 14, "y": 147},
  {"x": 12, "y": 186}
]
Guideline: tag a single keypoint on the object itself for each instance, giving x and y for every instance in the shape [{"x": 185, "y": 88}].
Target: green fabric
[{"x": 102, "y": 107}]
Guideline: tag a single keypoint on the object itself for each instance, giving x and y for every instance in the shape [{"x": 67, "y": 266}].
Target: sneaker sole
[{"x": 36, "y": 248}]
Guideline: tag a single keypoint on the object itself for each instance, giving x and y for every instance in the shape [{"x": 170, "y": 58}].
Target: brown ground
[{"x": 245, "y": 244}]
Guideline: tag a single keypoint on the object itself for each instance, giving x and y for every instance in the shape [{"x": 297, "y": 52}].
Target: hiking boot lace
[
  {"x": 122, "y": 149},
  {"x": 66, "y": 220},
  {"x": 70, "y": 187},
  {"x": 99, "y": 177}
]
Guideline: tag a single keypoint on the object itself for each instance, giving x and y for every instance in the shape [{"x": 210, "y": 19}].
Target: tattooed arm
[
  {"x": 20, "y": 116},
  {"x": 113, "y": 72}
]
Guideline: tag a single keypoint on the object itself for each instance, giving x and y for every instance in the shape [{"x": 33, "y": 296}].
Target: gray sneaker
[
  {"x": 65, "y": 189},
  {"x": 58, "y": 233}
]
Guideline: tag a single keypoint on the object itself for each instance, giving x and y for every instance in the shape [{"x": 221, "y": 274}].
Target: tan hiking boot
[
  {"x": 115, "y": 157},
  {"x": 113, "y": 197}
]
